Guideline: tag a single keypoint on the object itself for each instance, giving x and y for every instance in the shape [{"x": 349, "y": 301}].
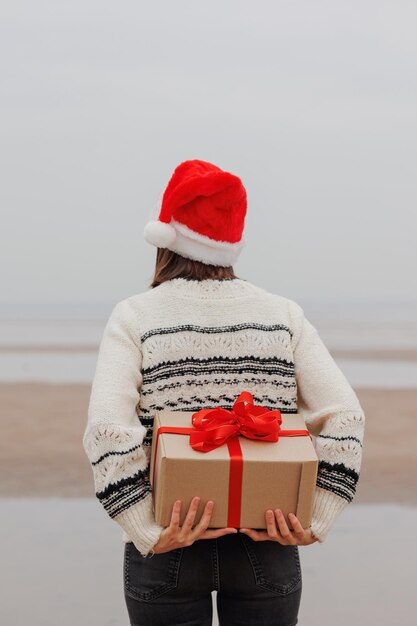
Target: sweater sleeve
[
  {"x": 114, "y": 434},
  {"x": 334, "y": 417}
]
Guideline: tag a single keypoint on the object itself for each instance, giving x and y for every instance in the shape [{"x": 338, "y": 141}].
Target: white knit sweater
[{"x": 187, "y": 345}]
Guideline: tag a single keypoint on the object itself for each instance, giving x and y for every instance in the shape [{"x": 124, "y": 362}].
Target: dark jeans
[{"x": 258, "y": 583}]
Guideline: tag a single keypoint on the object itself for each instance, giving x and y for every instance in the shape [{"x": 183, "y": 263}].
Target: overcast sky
[{"x": 312, "y": 104}]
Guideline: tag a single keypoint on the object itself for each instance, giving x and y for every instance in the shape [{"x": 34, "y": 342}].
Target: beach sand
[{"x": 43, "y": 425}]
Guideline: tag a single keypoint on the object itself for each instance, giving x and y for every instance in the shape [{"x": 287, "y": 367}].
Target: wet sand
[
  {"x": 63, "y": 565},
  {"x": 43, "y": 425}
]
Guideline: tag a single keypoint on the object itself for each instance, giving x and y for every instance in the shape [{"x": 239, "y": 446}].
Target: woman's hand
[
  {"x": 297, "y": 537},
  {"x": 174, "y": 536}
]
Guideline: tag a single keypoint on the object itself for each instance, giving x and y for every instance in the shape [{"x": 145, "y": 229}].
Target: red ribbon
[{"x": 214, "y": 427}]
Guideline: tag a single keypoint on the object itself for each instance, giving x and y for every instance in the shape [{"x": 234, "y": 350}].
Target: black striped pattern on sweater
[
  {"x": 202, "y": 382},
  {"x": 114, "y": 453},
  {"x": 285, "y": 406},
  {"x": 119, "y": 496},
  {"x": 192, "y": 366},
  {"x": 215, "y": 329},
  {"x": 348, "y": 438},
  {"x": 338, "y": 478}
]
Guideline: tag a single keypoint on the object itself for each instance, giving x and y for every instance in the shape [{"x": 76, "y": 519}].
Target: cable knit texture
[{"x": 187, "y": 345}]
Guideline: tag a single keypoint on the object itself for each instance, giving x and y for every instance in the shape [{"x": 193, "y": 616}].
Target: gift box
[{"x": 247, "y": 460}]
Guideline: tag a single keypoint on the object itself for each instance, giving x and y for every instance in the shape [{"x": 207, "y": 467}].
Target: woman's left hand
[{"x": 299, "y": 536}]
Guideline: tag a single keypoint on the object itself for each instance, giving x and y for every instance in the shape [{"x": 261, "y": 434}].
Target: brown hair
[{"x": 169, "y": 265}]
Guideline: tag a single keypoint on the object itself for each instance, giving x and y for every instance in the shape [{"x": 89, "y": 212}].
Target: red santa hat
[{"x": 202, "y": 214}]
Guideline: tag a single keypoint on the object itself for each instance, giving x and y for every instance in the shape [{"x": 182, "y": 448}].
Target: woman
[{"x": 197, "y": 338}]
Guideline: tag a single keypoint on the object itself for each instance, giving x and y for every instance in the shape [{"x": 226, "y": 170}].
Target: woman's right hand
[{"x": 174, "y": 536}]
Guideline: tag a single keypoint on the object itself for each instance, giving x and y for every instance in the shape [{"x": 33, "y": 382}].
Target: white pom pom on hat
[{"x": 159, "y": 233}]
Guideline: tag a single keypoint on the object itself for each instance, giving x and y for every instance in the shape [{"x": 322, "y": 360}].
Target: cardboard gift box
[{"x": 246, "y": 460}]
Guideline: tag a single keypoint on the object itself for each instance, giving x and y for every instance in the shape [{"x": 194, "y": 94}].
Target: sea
[{"x": 58, "y": 342}]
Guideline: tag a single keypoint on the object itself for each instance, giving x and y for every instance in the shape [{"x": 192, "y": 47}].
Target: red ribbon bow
[{"x": 215, "y": 426}]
